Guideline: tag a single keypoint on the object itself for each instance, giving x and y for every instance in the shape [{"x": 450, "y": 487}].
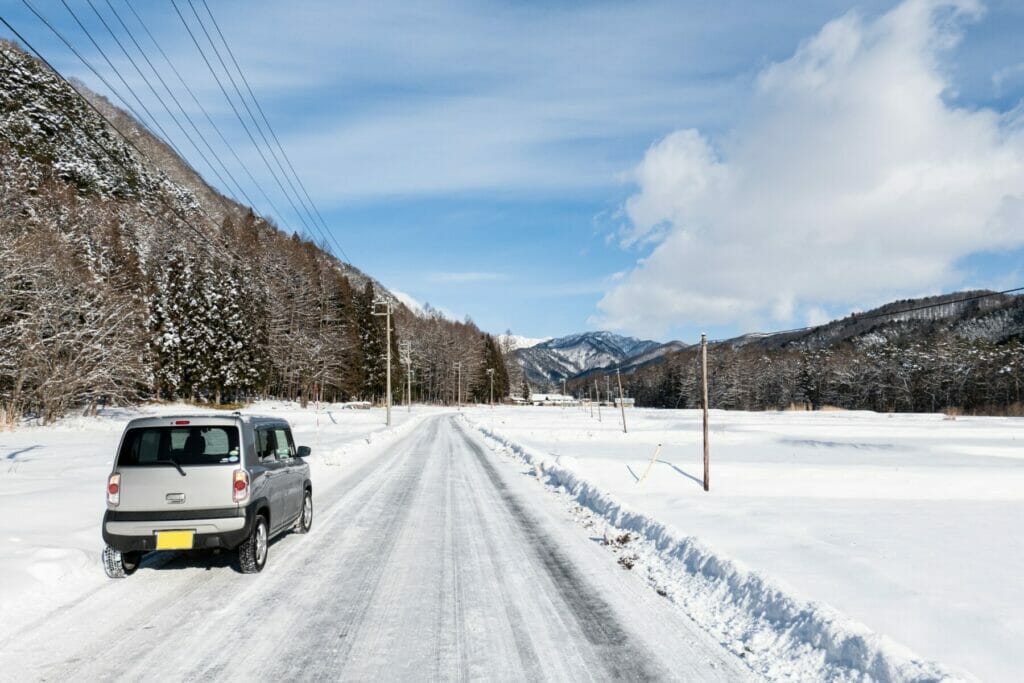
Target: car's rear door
[{"x": 178, "y": 468}]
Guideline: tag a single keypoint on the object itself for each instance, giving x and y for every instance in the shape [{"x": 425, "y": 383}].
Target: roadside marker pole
[
  {"x": 649, "y": 465},
  {"x": 704, "y": 373}
]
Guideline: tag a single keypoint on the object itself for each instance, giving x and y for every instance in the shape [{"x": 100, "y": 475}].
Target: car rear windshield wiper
[{"x": 171, "y": 462}]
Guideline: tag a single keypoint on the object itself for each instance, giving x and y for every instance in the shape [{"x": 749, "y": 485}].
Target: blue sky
[{"x": 523, "y": 163}]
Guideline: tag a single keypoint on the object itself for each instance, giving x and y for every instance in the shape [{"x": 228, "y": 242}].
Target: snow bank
[{"x": 781, "y": 636}]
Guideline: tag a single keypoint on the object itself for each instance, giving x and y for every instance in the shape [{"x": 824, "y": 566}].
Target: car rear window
[{"x": 193, "y": 445}]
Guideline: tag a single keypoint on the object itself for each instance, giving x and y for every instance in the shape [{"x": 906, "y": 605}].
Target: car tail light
[
  {"x": 240, "y": 486},
  {"x": 182, "y": 422},
  {"x": 114, "y": 489}
]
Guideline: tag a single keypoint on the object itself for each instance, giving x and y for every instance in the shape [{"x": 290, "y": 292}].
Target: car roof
[{"x": 205, "y": 419}]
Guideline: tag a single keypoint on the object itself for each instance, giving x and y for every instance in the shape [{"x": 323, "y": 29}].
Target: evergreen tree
[{"x": 372, "y": 345}]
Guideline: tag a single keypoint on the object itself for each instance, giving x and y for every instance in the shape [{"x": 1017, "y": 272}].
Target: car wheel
[
  {"x": 118, "y": 565},
  {"x": 306, "y": 516},
  {"x": 252, "y": 554}
]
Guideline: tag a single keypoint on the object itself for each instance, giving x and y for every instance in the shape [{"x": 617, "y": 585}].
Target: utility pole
[
  {"x": 458, "y": 384},
  {"x": 405, "y": 350},
  {"x": 704, "y": 373},
  {"x": 597, "y": 392},
  {"x": 383, "y": 307},
  {"x": 608, "y": 386},
  {"x": 490, "y": 375},
  {"x": 563, "y": 394},
  {"x": 622, "y": 400}
]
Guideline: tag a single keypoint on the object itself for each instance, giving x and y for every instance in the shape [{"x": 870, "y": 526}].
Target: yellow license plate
[{"x": 174, "y": 540}]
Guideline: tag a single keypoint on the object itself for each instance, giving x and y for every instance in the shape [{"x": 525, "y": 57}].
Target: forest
[
  {"x": 945, "y": 373},
  {"x": 124, "y": 279}
]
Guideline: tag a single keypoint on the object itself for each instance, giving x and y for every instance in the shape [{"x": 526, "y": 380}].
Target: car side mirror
[{"x": 304, "y": 452}]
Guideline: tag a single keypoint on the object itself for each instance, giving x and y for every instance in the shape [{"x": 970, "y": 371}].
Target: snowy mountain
[
  {"x": 553, "y": 360},
  {"x": 514, "y": 342}
]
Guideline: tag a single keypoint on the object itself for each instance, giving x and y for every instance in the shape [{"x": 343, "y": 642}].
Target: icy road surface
[{"x": 437, "y": 560}]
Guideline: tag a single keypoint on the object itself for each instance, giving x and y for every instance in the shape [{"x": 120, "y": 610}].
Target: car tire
[
  {"x": 252, "y": 554},
  {"x": 118, "y": 565},
  {"x": 305, "y": 522}
]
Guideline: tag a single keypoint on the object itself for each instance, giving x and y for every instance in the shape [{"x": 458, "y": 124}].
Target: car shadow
[{"x": 205, "y": 558}]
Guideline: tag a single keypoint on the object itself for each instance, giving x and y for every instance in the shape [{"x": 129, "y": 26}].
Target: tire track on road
[{"x": 621, "y": 656}]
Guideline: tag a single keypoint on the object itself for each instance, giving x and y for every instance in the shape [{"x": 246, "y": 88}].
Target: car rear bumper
[{"x": 136, "y": 531}]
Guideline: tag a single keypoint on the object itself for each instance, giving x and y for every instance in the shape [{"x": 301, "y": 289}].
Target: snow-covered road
[{"x": 437, "y": 560}]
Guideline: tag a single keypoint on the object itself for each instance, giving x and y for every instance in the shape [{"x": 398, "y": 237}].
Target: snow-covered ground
[
  {"x": 906, "y": 524},
  {"x": 433, "y": 560},
  {"x": 52, "y": 492}
]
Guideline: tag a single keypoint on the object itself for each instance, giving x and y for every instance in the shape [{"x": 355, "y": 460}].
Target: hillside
[
  {"x": 124, "y": 275},
  {"x": 996, "y": 319},
  {"x": 954, "y": 351}
]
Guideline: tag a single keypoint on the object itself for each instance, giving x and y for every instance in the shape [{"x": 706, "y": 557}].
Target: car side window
[
  {"x": 284, "y": 444},
  {"x": 266, "y": 444}
]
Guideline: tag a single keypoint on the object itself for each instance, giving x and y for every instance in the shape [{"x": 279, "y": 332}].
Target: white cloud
[{"x": 851, "y": 181}]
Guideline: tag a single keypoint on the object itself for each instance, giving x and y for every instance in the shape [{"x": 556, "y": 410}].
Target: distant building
[
  {"x": 551, "y": 400},
  {"x": 626, "y": 402}
]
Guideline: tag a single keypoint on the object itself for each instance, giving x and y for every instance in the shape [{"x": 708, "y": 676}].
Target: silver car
[{"x": 200, "y": 481}]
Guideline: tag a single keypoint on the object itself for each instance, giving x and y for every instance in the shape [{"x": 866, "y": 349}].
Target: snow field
[
  {"x": 830, "y": 543},
  {"x": 52, "y": 483}
]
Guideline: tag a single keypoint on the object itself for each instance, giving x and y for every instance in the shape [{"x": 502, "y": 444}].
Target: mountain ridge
[
  {"x": 563, "y": 358},
  {"x": 969, "y": 314}
]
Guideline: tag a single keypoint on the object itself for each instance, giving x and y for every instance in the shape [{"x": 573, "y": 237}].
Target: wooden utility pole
[
  {"x": 490, "y": 374},
  {"x": 383, "y": 307},
  {"x": 704, "y": 373},
  {"x": 597, "y": 392},
  {"x": 622, "y": 400},
  {"x": 458, "y": 385},
  {"x": 405, "y": 350}
]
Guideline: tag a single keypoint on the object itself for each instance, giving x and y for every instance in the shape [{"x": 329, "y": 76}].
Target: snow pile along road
[{"x": 821, "y": 533}]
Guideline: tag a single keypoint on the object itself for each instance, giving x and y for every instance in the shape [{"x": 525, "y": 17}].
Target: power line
[
  {"x": 266, "y": 121},
  {"x": 156, "y": 122},
  {"x": 241, "y": 120},
  {"x": 155, "y": 93},
  {"x": 209, "y": 119},
  {"x": 100, "y": 146},
  {"x": 245, "y": 104},
  {"x": 63, "y": 39},
  {"x": 140, "y": 119}
]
